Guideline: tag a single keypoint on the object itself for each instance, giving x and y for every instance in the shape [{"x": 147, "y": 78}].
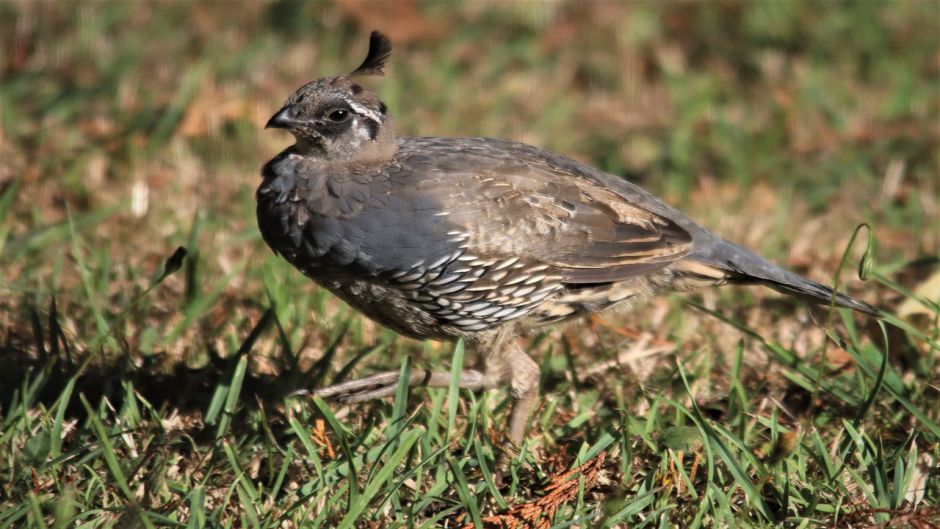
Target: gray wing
[
  {"x": 510, "y": 200},
  {"x": 712, "y": 258}
]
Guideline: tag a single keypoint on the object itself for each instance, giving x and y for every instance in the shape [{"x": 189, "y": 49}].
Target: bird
[{"x": 477, "y": 239}]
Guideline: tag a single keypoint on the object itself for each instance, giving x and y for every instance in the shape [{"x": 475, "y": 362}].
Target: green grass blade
[
  {"x": 231, "y": 397},
  {"x": 381, "y": 478},
  {"x": 468, "y": 499},
  {"x": 197, "y": 509},
  {"x": 740, "y": 476},
  {"x": 453, "y": 390},
  {"x": 55, "y": 434},
  {"x": 344, "y": 445},
  {"x": 488, "y": 477},
  {"x": 111, "y": 459}
]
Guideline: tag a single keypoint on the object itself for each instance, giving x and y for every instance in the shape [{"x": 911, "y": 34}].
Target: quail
[{"x": 474, "y": 238}]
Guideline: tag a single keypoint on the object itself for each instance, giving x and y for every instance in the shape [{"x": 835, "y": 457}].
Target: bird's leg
[
  {"x": 386, "y": 383},
  {"x": 524, "y": 384},
  {"x": 507, "y": 363}
]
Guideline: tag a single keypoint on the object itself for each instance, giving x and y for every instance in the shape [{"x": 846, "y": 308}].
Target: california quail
[{"x": 442, "y": 238}]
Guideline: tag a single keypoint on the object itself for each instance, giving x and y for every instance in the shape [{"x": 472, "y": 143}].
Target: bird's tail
[{"x": 725, "y": 262}]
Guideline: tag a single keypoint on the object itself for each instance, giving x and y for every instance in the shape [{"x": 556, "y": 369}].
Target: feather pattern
[{"x": 420, "y": 223}]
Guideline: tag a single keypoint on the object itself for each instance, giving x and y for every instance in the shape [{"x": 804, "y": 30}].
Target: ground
[{"x": 143, "y": 388}]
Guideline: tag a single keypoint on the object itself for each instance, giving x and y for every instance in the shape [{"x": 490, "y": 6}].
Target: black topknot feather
[{"x": 380, "y": 48}]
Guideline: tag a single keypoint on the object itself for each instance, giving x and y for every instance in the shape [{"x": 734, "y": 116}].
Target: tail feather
[{"x": 731, "y": 263}]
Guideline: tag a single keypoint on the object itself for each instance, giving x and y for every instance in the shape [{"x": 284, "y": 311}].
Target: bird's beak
[{"x": 281, "y": 120}]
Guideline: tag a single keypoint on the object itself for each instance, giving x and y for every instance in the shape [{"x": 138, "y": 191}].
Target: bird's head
[{"x": 336, "y": 119}]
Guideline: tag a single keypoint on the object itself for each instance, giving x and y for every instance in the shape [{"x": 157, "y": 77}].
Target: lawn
[{"x": 142, "y": 385}]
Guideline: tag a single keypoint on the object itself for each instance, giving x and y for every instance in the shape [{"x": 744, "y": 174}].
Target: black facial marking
[
  {"x": 382, "y": 108},
  {"x": 356, "y": 89},
  {"x": 373, "y": 129},
  {"x": 332, "y": 129}
]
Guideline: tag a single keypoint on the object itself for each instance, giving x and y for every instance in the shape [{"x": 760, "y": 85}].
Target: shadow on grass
[{"x": 36, "y": 366}]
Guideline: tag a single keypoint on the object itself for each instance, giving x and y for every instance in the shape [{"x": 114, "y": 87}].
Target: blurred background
[
  {"x": 780, "y": 125},
  {"x": 132, "y": 128}
]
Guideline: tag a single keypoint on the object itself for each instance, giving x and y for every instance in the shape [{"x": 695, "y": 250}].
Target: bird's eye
[{"x": 338, "y": 116}]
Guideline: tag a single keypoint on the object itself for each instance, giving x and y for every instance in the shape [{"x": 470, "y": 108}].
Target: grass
[{"x": 141, "y": 387}]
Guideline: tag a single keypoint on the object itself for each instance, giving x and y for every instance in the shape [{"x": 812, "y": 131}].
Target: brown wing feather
[{"x": 585, "y": 232}]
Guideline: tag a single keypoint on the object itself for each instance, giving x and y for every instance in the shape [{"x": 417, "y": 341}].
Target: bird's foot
[{"x": 385, "y": 384}]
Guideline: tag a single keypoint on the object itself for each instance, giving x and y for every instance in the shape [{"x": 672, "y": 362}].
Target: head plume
[{"x": 380, "y": 48}]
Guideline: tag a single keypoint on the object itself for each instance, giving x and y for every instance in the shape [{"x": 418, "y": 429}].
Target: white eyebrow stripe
[{"x": 363, "y": 111}]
